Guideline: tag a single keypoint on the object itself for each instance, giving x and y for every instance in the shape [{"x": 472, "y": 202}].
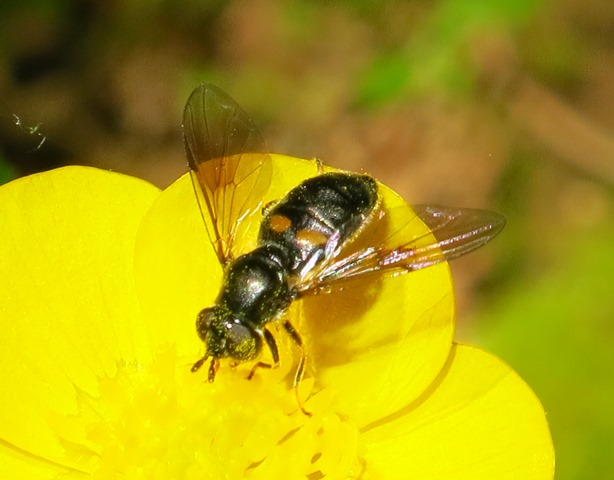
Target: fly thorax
[{"x": 256, "y": 286}]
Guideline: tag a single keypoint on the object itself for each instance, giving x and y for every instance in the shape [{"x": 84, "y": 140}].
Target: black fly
[{"x": 302, "y": 241}]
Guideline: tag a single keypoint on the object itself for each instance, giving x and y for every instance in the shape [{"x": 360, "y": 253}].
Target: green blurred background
[{"x": 505, "y": 105}]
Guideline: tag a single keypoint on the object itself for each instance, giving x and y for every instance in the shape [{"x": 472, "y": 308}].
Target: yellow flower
[{"x": 102, "y": 276}]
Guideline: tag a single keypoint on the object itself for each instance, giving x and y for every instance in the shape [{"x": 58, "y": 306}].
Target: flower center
[{"x": 162, "y": 421}]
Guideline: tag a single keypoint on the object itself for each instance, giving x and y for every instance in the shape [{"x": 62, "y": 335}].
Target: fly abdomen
[{"x": 323, "y": 209}]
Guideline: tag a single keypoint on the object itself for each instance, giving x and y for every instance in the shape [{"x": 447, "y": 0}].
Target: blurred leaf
[
  {"x": 385, "y": 79},
  {"x": 6, "y": 172},
  {"x": 432, "y": 58},
  {"x": 40, "y": 6},
  {"x": 558, "y": 333},
  {"x": 454, "y": 16}
]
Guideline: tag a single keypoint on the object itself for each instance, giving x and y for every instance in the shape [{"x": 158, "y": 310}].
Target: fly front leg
[
  {"x": 199, "y": 364},
  {"x": 270, "y": 341},
  {"x": 213, "y": 367}
]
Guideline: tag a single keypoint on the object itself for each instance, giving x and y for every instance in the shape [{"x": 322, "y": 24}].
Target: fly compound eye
[
  {"x": 242, "y": 342},
  {"x": 203, "y": 322}
]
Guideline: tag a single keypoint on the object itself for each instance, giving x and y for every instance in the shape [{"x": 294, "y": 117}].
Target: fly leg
[
  {"x": 300, "y": 369},
  {"x": 267, "y": 208},
  {"x": 213, "y": 367},
  {"x": 270, "y": 341},
  {"x": 319, "y": 165},
  {"x": 199, "y": 364}
]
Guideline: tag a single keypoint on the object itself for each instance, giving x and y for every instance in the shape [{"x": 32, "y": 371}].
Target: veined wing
[
  {"x": 452, "y": 232},
  {"x": 230, "y": 167}
]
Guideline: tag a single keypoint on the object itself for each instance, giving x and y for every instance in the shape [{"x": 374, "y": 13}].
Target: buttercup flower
[{"x": 101, "y": 278}]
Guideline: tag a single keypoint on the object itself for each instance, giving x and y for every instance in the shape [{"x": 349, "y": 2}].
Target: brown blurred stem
[
  {"x": 572, "y": 137},
  {"x": 547, "y": 118}
]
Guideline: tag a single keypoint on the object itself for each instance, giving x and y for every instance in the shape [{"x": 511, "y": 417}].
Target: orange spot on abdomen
[
  {"x": 279, "y": 223},
  {"x": 311, "y": 237}
]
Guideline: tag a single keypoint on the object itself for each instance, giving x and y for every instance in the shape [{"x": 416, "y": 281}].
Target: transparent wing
[
  {"x": 452, "y": 232},
  {"x": 230, "y": 168}
]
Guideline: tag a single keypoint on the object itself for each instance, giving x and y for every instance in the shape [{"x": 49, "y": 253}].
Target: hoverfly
[{"x": 302, "y": 246}]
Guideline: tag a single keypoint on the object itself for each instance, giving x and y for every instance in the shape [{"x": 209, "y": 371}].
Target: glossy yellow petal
[
  {"x": 21, "y": 465},
  {"x": 67, "y": 301},
  {"x": 176, "y": 270},
  {"x": 381, "y": 357},
  {"x": 393, "y": 334},
  {"x": 94, "y": 388},
  {"x": 478, "y": 421}
]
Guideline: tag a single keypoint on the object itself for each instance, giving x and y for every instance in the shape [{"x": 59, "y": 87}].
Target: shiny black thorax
[
  {"x": 255, "y": 286},
  {"x": 311, "y": 222}
]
